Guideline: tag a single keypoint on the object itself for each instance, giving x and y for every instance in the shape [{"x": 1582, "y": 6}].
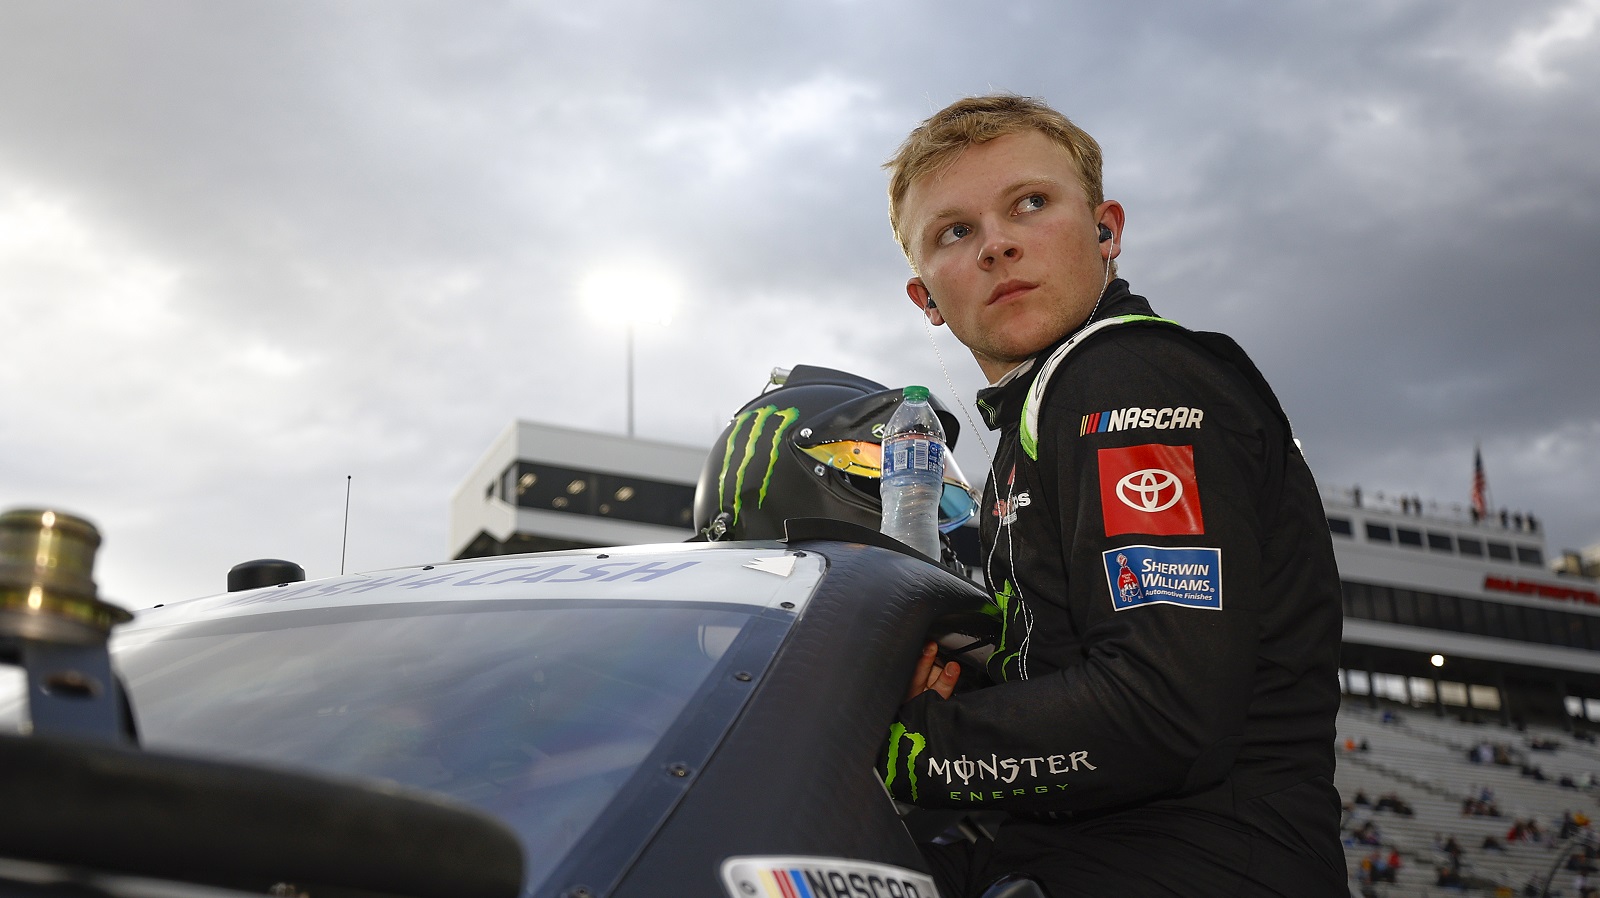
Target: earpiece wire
[{"x": 994, "y": 475}]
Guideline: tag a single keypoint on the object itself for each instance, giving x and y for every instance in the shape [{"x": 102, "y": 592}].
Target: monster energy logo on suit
[
  {"x": 897, "y": 734},
  {"x": 759, "y": 442}
]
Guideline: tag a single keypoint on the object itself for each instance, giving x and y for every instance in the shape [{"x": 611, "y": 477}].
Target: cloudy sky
[{"x": 247, "y": 249}]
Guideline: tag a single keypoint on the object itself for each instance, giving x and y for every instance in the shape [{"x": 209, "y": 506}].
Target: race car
[{"x": 700, "y": 719}]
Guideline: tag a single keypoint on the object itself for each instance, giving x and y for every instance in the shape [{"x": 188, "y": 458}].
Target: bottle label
[{"x": 912, "y": 453}]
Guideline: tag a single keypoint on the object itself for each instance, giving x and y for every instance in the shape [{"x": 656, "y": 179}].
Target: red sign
[
  {"x": 1149, "y": 489},
  {"x": 1547, "y": 590}
]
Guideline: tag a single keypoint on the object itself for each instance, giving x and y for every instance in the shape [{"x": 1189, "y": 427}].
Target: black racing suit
[{"x": 1163, "y": 716}]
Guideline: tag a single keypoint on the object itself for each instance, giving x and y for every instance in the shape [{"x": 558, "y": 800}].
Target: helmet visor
[{"x": 862, "y": 458}]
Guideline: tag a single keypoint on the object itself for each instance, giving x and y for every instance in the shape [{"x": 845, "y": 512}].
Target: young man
[{"x": 1162, "y": 719}]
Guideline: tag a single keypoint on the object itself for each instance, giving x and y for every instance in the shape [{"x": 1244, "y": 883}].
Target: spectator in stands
[
  {"x": 1389, "y": 801},
  {"x": 1525, "y": 829},
  {"x": 1366, "y": 834},
  {"x": 1490, "y": 843},
  {"x": 1375, "y": 868},
  {"x": 1361, "y": 797},
  {"x": 1391, "y": 864},
  {"x": 1452, "y": 849},
  {"x": 1365, "y": 745}
]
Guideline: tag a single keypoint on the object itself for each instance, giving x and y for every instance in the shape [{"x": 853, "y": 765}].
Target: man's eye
[
  {"x": 1033, "y": 202},
  {"x": 953, "y": 233}
]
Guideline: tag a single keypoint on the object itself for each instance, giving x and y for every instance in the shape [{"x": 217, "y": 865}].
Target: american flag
[{"x": 1480, "y": 485}]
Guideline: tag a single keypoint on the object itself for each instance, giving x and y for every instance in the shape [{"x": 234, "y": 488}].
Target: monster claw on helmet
[{"x": 817, "y": 436}]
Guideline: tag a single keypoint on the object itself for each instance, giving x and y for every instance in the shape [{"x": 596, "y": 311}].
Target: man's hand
[{"x": 931, "y": 675}]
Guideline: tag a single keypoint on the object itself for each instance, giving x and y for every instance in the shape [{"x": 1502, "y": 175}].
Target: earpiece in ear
[
  {"x": 1105, "y": 233},
  {"x": 930, "y": 306}
]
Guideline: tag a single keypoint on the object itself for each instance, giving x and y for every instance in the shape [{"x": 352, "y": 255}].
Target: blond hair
[{"x": 935, "y": 143}]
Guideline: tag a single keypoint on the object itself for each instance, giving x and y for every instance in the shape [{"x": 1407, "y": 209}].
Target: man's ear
[
  {"x": 1110, "y": 214},
  {"x": 924, "y": 301}
]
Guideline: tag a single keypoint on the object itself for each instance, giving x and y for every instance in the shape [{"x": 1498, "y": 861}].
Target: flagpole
[{"x": 1480, "y": 485}]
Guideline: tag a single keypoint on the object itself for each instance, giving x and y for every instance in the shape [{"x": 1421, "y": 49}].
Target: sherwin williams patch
[
  {"x": 1156, "y": 575},
  {"x": 821, "y": 877}
]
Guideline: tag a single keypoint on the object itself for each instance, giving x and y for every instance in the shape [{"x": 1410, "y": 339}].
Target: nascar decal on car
[
  {"x": 1149, "y": 489},
  {"x": 606, "y": 572},
  {"x": 1159, "y": 575},
  {"x": 1173, "y": 418},
  {"x": 822, "y": 877}
]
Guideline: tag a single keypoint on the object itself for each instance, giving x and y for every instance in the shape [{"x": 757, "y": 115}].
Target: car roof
[{"x": 757, "y": 574}]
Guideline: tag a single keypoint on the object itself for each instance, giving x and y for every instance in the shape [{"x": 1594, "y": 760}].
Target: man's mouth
[{"x": 1010, "y": 290}]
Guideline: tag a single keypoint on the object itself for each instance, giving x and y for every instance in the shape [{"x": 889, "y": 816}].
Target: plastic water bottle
[{"x": 913, "y": 473}]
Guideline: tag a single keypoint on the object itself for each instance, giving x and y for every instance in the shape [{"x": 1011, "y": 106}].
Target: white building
[{"x": 542, "y": 487}]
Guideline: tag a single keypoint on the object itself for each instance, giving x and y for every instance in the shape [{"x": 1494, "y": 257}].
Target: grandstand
[
  {"x": 1424, "y": 763},
  {"x": 1471, "y": 674}
]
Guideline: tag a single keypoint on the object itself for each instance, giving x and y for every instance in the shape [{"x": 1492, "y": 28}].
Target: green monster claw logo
[
  {"x": 757, "y": 418},
  {"x": 1003, "y": 600},
  {"x": 918, "y": 743}
]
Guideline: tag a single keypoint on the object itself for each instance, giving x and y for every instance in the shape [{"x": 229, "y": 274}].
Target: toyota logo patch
[{"x": 1150, "y": 490}]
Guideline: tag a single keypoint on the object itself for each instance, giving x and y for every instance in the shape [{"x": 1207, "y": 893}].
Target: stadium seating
[{"x": 1426, "y": 762}]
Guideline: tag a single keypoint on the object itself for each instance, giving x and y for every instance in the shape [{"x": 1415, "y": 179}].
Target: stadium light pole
[
  {"x": 634, "y": 294},
  {"x": 629, "y": 329}
]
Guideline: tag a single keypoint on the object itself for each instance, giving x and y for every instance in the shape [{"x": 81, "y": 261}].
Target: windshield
[{"x": 537, "y": 712}]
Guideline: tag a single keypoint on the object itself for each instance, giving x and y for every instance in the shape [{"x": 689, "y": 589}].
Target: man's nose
[{"x": 1000, "y": 246}]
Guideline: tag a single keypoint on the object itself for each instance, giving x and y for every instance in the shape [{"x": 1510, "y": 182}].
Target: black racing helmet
[{"x": 810, "y": 446}]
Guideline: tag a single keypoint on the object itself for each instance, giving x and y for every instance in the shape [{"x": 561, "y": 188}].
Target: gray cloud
[{"x": 246, "y": 250}]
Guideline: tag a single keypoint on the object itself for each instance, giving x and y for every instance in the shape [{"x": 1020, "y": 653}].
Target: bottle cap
[{"x": 915, "y": 394}]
